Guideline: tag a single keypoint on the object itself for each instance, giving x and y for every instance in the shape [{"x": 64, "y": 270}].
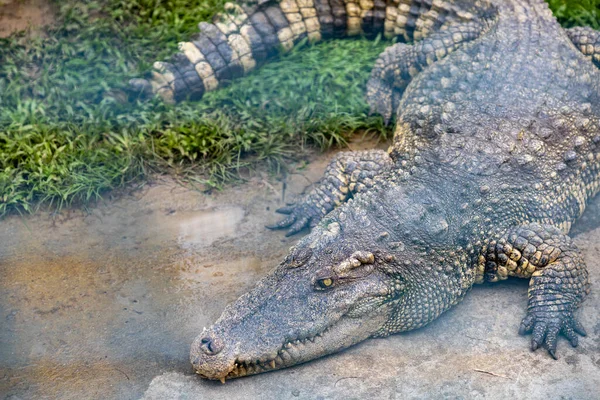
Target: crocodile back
[{"x": 520, "y": 104}]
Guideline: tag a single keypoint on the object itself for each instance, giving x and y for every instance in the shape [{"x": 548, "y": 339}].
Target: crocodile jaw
[{"x": 238, "y": 363}]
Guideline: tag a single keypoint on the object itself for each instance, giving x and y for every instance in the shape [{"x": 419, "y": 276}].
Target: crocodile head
[{"x": 343, "y": 283}]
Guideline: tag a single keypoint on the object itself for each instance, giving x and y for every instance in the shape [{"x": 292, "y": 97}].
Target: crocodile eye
[{"x": 324, "y": 283}]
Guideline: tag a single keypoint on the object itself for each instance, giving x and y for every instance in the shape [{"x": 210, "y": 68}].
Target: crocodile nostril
[{"x": 210, "y": 346}]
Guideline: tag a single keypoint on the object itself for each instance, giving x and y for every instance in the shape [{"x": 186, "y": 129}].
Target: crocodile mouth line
[{"x": 287, "y": 356}]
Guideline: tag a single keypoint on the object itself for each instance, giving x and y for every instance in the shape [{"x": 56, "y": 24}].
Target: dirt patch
[
  {"x": 20, "y": 15},
  {"x": 95, "y": 304}
]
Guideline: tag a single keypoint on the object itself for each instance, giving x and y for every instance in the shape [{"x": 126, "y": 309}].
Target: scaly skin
[
  {"x": 587, "y": 41},
  {"x": 495, "y": 154},
  {"x": 346, "y": 175}
]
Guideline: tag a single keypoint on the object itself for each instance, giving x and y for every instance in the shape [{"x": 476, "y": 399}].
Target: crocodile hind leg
[
  {"x": 347, "y": 174},
  {"x": 587, "y": 40},
  {"x": 558, "y": 284},
  {"x": 399, "y": 63}
]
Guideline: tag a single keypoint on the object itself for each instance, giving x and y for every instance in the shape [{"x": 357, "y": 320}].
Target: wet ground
[{"x": 104, "y": 304}]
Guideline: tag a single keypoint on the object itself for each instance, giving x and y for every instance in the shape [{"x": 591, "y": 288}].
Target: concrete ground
[{"x": 104, "y": 304}]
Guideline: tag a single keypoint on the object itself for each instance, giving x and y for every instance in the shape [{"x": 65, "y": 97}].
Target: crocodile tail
[{"x": 245, "y": 35}]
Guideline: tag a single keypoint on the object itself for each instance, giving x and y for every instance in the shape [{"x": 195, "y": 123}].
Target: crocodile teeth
[
  {"x": 294, "y": 352},
  {"x": 286, "y": 357},
  {"x": 222, "y": 379}
]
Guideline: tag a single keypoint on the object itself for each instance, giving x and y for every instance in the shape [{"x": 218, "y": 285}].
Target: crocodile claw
[
  {"x": 292, "y": 222},
  {"x": 287, "y": 210},
  {"x": 298, "y": 217},
  {"x": 545, "y": 326},
  {"x": 284, "y": 223}
]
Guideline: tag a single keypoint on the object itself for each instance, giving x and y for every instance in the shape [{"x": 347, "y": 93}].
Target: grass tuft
[
  {"x": 577, "y": 12},
  {"x": 69, "y": 131}
]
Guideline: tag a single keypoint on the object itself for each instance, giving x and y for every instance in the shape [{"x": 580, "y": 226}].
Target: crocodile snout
[{"x": 210, "y": 356}]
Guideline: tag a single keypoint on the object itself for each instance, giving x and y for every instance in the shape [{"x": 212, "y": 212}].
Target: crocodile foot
[
  {"x": 546, "y": 324},
  {"x": 299, "y": 216}
]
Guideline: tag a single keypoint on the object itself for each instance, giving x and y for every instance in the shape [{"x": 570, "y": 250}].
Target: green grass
[
  {"x": 577, "y": 12},
  {"x": 69, "y": 131}
]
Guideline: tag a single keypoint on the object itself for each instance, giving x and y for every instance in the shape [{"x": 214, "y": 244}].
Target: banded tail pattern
[{"x": 246, "y": 34}]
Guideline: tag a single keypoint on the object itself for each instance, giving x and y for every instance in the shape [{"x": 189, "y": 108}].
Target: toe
[
  {"x": 526, "y": 325},
  {"x": 578, "y": 327},
  {"x": 538, "y": 335},
  {"x": 284, "y": 223},
  {"x": 285, "y": 210},
  {"x": 571, "y": 335},
  {"x": 298, "y": 226},
  {"x": 552, "y": 339}
]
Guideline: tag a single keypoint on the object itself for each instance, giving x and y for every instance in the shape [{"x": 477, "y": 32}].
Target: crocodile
[{"x": 496, "y": 152}]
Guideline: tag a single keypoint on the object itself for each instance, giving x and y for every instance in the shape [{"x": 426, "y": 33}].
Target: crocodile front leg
[
  {"x": 587, "y": 40},
  {"x": 559, "y": 280},
  {"x": 348, "y": 173},
  {"x": 400, "y": 63}
]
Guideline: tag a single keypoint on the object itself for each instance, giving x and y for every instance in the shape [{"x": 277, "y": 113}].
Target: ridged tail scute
[
  {"x": 245, "y": 35},
  {"x": 239, "y": 38},
  {"x": 332, "y": 17}
]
